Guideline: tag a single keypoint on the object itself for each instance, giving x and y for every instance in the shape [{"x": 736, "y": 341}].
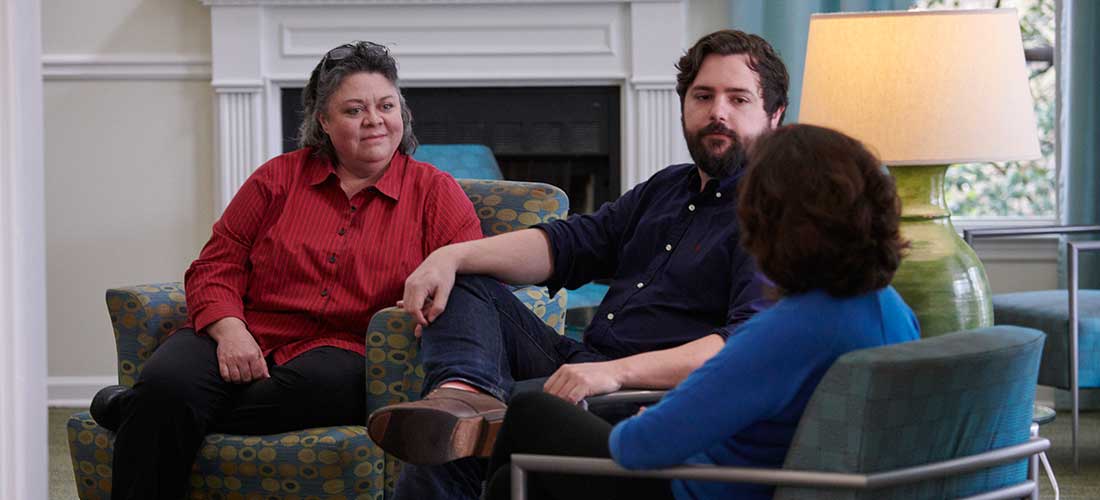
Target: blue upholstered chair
[
  {"x": 943, "y": 417},
  {"x": 323, "y": 463},
  {"x": 1070, "y": 318},
  {"x": 462, "y": 161},
  {"x": 476, "y": 161}
]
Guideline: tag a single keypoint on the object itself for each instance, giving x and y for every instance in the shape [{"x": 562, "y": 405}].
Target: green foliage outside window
[{"x": 1014, "y": 188}]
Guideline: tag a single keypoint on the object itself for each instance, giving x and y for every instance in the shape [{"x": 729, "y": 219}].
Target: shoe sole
[{"x": 431, "y": 437}]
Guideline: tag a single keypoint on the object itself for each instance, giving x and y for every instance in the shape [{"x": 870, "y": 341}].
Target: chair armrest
[
  {"x": 1014, "y": 232},
  {"x": 143, "y": 316},
  {"x": 394, "y": 372},
  {"x": 637, "y": 396},
  {"x": 523, "y": 463}
]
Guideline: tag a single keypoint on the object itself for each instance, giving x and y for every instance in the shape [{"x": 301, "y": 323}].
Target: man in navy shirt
[{"x": 680, "y": 283}]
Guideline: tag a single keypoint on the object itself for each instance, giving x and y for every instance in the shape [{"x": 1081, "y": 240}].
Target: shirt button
[
  {"x": 668, "y": 248},
  {"x": 324, "y": 293},
  {"x": 341, "y": 231},
  {"x": 640, "y": 284},
  {"x": 691, "y": 208},
  {"x": 717, "y": 195},
  {"x": 353, "y": 208},
  {"x": 331, "y": 259},
  {"x": 610, "y": 316}
]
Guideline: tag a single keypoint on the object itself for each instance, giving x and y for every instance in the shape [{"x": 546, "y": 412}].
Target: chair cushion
[
  {"x": 1048, "y": 311},
  {"x": 326, "y": 462},
  {"x": 920, "y": 402}
]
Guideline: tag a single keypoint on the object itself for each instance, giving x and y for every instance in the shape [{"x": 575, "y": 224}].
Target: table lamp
[{"x": 924, "y": 90}]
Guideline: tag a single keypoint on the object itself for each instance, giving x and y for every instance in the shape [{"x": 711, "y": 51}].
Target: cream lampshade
[{"x": 925, "y": 89}]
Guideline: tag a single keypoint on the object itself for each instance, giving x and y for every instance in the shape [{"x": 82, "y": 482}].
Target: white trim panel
[
  {"x": 125, "y": 67},
  {"x": 482, "y": 39},
  {"x": 24, "y": 462}
]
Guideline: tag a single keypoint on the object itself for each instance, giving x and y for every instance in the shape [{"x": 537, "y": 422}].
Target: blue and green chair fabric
[
  {"x": 324, "y": 463},
  {"x": 882, "y": 416},
  {"x": 476, "y": 161}
]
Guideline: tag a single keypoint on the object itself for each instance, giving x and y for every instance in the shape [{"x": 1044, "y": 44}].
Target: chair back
[
  {"x": 506, "y": 206},
  {"x": 462, "y": 161},
  {"x": 919, "y": 402}
]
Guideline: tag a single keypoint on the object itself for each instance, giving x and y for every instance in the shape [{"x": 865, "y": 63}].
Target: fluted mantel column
[
  {"x": 654, "y": 139},
  {"x": 240, "y": 139},
  {"x": 238, "y": 80}
]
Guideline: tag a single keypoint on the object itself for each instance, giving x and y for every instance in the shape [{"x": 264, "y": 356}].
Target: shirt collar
[
  {"x": 723, "y": 185},
  {"x": 389, "y": 184}
]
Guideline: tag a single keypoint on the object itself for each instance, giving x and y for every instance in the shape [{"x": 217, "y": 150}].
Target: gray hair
[{"x": 361, "y": 57}]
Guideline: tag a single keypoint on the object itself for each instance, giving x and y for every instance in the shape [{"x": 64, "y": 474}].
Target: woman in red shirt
[{"x": 313, "y": 244}]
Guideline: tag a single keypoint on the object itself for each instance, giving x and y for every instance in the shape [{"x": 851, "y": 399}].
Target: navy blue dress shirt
[{"x": 672, "y": 254}]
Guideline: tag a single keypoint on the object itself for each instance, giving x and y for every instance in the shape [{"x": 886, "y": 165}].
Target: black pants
[
  {"x": 539, "y": 423},
  {"x": 180, "y": 397}
]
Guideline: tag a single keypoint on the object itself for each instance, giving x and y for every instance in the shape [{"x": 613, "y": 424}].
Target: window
[{"x": 1016, "y": 189}]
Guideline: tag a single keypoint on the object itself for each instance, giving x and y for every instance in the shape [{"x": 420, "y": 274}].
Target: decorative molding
[
  {"x": 466, "y": 40},
  {"x": 125, "y": 67},
  {"x": 75, "y": 392}
]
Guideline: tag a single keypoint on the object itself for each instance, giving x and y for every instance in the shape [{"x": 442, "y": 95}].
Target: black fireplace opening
[{"x": 565, "y": 136}]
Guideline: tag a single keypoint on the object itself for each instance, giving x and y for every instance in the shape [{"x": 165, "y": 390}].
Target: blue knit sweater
[{"x": 742, "y": 406}]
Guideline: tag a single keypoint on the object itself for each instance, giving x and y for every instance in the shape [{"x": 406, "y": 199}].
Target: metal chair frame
[
  {"x": 1073, "y": 250},
  {"x": 522, "y": 464}
]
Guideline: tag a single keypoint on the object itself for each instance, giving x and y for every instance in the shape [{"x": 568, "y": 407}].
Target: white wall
[
  {"x": 129, "y": 153},
  {"x": 129, "y": 166}
]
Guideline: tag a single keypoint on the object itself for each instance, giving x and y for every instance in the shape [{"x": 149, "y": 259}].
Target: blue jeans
[{"x": 487, "y": 338}]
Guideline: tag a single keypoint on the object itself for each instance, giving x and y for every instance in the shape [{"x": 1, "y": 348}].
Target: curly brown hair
[
  {"x": 762, "y": 59},
  {"x": 818, "y": 211}
]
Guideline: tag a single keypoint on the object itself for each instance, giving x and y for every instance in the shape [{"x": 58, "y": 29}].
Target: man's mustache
[{"x": 717, "y": 128}]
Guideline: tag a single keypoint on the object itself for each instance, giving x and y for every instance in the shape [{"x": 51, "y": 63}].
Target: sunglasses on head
[
  {"x": 347, "y": 50},
  {"x": 334, "y": 56}
]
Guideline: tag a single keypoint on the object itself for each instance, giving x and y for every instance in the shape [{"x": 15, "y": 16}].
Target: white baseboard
[{"x": 75, "y": 392}]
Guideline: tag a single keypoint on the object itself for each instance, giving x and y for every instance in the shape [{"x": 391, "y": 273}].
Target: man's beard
[{"x": 721, "y": 165}]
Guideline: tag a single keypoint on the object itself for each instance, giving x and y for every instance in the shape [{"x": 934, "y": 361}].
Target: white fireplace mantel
[{"x": 261, "y": 46}]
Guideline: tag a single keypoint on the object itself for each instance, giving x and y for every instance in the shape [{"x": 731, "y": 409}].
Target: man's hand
[
  {"x": 574, "y": 382},
  {"x": 428, "y": 287},
  {"x": 240, "y": 359}
]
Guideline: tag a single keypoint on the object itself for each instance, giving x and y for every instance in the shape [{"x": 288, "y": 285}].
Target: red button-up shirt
[{"x": 304, "y": 266}]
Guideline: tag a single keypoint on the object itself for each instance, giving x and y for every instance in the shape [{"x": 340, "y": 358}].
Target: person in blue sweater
[{"x": 820, "y": 216}]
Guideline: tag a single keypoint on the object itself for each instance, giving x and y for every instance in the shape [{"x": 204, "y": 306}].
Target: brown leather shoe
[{"x": 446, "y": 425}]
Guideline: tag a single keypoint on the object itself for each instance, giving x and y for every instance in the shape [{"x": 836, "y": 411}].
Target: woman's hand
[{"x": 240, "y": 359}]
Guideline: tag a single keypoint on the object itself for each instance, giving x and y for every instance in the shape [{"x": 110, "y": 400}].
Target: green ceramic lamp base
[{"x": 941, "y": 277}]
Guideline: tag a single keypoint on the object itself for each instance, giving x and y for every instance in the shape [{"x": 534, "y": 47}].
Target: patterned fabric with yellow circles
[{"x": 325, "y": 463}]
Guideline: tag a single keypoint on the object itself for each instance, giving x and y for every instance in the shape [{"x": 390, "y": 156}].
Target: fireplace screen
[{"x": 565, "y": 136}]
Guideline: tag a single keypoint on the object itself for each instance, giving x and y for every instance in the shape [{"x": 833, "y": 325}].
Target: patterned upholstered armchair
[
  {"x": 322, "y": 463},
  {"x": 945, "y": 417}
]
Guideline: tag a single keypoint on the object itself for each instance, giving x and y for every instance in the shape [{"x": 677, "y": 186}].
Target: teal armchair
[
  {"x": 944, "y": 417},
  {"x": 324, "y": 463}
]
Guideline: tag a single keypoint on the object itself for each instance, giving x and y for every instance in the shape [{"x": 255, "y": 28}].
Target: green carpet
[{"x": 1085, "y": 485}]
